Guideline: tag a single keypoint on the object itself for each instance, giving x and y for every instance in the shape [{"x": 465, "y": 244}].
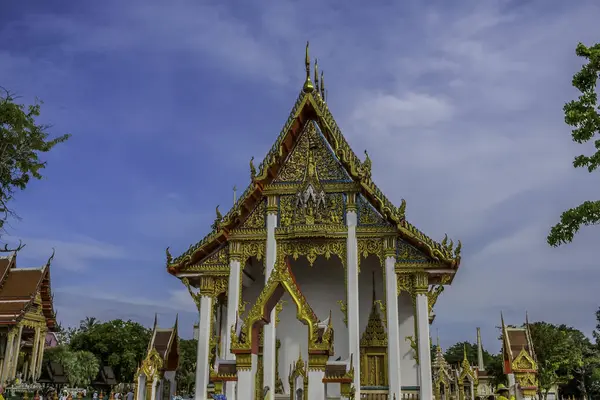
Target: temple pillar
[
  {"x": 352, "y": 289},
  {"x": 246, "y": 370},
  {"x": 233, "y": 303},
  {"x": 34, "y": 354},
  {"x": 270, "y": 332},
  {"x": 393, "y": 324},
  {"x": 7, "y": 363},
  {"x": 421, "y": 286},
  {"x": 15, "y": 355},
  {"x": 316, "y": 387},
  {"x": 40, "y": 356},
  {"x": 205, "y": 304}
]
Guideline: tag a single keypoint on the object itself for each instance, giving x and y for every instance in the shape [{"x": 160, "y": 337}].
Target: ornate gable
[
  {"x": 311, "y": 129},
  {"x": 368, "y": 215},
  {"x": 311, "y": 142},
  {"x": 524, "y": 362},
  {"x": 257, "y": 217},
  {"x": 374, "y": 334}
]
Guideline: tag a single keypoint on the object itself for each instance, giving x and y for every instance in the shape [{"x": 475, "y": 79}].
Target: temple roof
[
  {"x": 166, "y": 343},
  {"x": 517, "y": 346},
  {"x": 19, "y": 288},
  {"x": 311, "y": 106}
]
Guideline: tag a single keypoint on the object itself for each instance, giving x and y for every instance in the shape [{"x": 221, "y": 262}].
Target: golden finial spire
[
  {"x": 322, "y": 86},
  {"x": 317, "y": 77},
  {"x": 308, "y": 85},
  {"x": 373, "y": 287}
]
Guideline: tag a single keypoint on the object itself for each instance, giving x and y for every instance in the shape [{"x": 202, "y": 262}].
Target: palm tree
[{"x": 87, "y": 324}]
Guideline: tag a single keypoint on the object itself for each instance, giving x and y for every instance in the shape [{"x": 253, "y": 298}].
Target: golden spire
[
  {"x": 308, "y": 85},
  {"x": 317, "y": 77},
  {"x": 322, "y": 86}
]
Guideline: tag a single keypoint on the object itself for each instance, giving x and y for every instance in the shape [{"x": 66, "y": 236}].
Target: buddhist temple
[
  {"x": 520, "y": 364},
  {"x": 156, "y": 375},
  {"x": 310, "y": 252},
  {"x": 26, "y": 315}
]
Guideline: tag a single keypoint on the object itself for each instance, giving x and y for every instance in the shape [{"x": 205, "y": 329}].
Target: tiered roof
[
  {"x": 311, "y": 106},
  {"x": 519, "y": 355},
  {"x": 166, "y": 343},
  {"x": 19, "y": 288}
]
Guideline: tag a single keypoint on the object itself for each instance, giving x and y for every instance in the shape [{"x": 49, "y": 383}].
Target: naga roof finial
[
  {"x": 308, "y": 85},
  {"x": 252, "y": 169}
]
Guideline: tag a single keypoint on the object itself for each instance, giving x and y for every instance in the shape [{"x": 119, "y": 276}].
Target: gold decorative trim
[
  {"x": 243, "y": 361},
  {"x": 272, "y": 204},
  {"x": 311, "y": 249},
  {"x": 208, "y": 286},
  {"x": 344, "y": 310},
  {"x": 290, "y": 188},
  {"x": 351, "y": 202}
]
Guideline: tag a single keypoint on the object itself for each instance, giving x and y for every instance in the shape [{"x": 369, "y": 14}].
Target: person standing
[{"x": 503, "y": 393}]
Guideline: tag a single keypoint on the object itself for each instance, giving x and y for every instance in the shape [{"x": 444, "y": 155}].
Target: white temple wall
[
  {"x": 322, "y": 285},
  {"x": 251, "y": 289},
  {"x": 407, "y": 328},
  {"x": 365, "y": 289}
]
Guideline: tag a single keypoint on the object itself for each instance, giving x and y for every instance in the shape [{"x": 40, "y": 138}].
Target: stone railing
[{"x": 383, "y": 395}]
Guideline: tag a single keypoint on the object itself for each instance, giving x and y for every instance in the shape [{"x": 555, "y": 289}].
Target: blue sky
[{"x": 458, "y": 102}]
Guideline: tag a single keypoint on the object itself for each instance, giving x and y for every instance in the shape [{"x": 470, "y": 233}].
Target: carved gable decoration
[
  {"x": 524, "y": 362},
  {"x": 327, "y": 165},
  {"x": 152, "y": 365},
  {"x": 374, "y": 334},
  {"x": 217, "y": 261},
  {"x": 367, "y": 215},
  {"x": 407, "y": 254},
  {"x": 256, "y": 219}
]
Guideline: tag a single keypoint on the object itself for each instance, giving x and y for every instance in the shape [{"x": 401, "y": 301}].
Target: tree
[
  {"x": 80, "y": 366},
  {"x": 556, "y": 355},
  {"x": 120, "y": 344},
  {"x": 495, "y": 369},
  {"x": 583, "y": 115},
  {"x": 22, "y": 141},
  {"x": 587, "y": 365},
  {"x": 186, "y": 371},
  {"x": 455, "y": 354},
  {"x": 87, "y": 324}
]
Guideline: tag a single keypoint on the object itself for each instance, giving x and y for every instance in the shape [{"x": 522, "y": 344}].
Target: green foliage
[
  {"x": 495, "y": 368},
  {"x": 186, "y": 371},
  {"x": 120, "y": 344},
  {"x": 80, "y": 367},
  {"x": 21, "y": 142},
  {"x": 455, "y": 354},
  {"x": 582, "y": 114},
  {"x": 556, "y": 354}
]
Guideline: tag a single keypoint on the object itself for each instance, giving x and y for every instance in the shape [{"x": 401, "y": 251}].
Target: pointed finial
[
  {"x": 176, "y": 320},
  {"x": 437, "y": 333},
  {"x": 308, "y": 85},
  {"x": 322, "y": 86},
  {"x": 317, "y": 89},
  {"x": 465, "y": 352},
  {"x": 155, "y": 320},
  {"x": 234, "y": 194}
]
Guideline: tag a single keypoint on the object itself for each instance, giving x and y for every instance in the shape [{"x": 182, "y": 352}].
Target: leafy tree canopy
[
  {"x": 186, "y": 371},
  {"x": 582, "y": 114},
  {"x": 80, "y": 367},
  {"x": 22, "y": 140},
  {"x": 455, "y": 354},
  {"x": 120, "y": 344}
]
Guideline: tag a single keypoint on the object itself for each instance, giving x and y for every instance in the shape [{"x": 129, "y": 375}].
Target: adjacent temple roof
[
  {"x": 166, "y": 343},
  {"x": 517, "y": 349},
  {"x": 19, "y": 288},
  {"x": 311, "y": 106}
]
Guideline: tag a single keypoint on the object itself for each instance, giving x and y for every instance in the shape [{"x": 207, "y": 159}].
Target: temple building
[
  {"x": 26, "y": 315},
  {"x": 485, "y": 386},
  {"x": 313, "y": 250},
  {"x": 156, "y": 375},
  {"x": 520, "y": 365}
]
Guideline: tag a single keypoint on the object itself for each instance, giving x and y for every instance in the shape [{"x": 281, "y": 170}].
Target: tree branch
[{"x": 571, "y": 221}]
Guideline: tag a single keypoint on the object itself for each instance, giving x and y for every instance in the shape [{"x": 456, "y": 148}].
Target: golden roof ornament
[
  {"x": 169, "y": 257},
  {"x": 367, "y": 166},
  {"x": 308, "y": 85},
  {"x": 322, "y": 86}
]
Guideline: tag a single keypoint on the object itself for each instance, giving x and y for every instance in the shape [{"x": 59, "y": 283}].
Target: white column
[
  {"x": 352, "y": 290},
  {"x": 424, "y": 345},
  {"x": 270, "y": 334},
  {"x": 7, "y": 364},
  {"x": 34, "y": 355},
  {"x": 41, "y": 348},
  {"x": 316, "y": 387},
  {"x": 203, "y": 353},
  {"x": 393, "y": 328},
  {"x": 15, "y": 354},
  {"x": 233, "y": 299},
  {"x": 245, "y": 381}
]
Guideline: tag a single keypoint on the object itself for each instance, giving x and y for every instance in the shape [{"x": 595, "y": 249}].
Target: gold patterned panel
[
  {"x": 368, "y": 246},
  {"x": 524, "y": 362},
  {"x": 409, "y": 256},
  {"x": 328, "y": 167},
  {"x": 256, "y": 219},
  {"x": 367, "y": 215},
  {"x": 313, "y": 248},
  {"x": 216, "y": 261}
]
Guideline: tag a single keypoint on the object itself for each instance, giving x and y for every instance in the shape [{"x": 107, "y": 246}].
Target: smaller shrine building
[{"x": 26, "y": 316}]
